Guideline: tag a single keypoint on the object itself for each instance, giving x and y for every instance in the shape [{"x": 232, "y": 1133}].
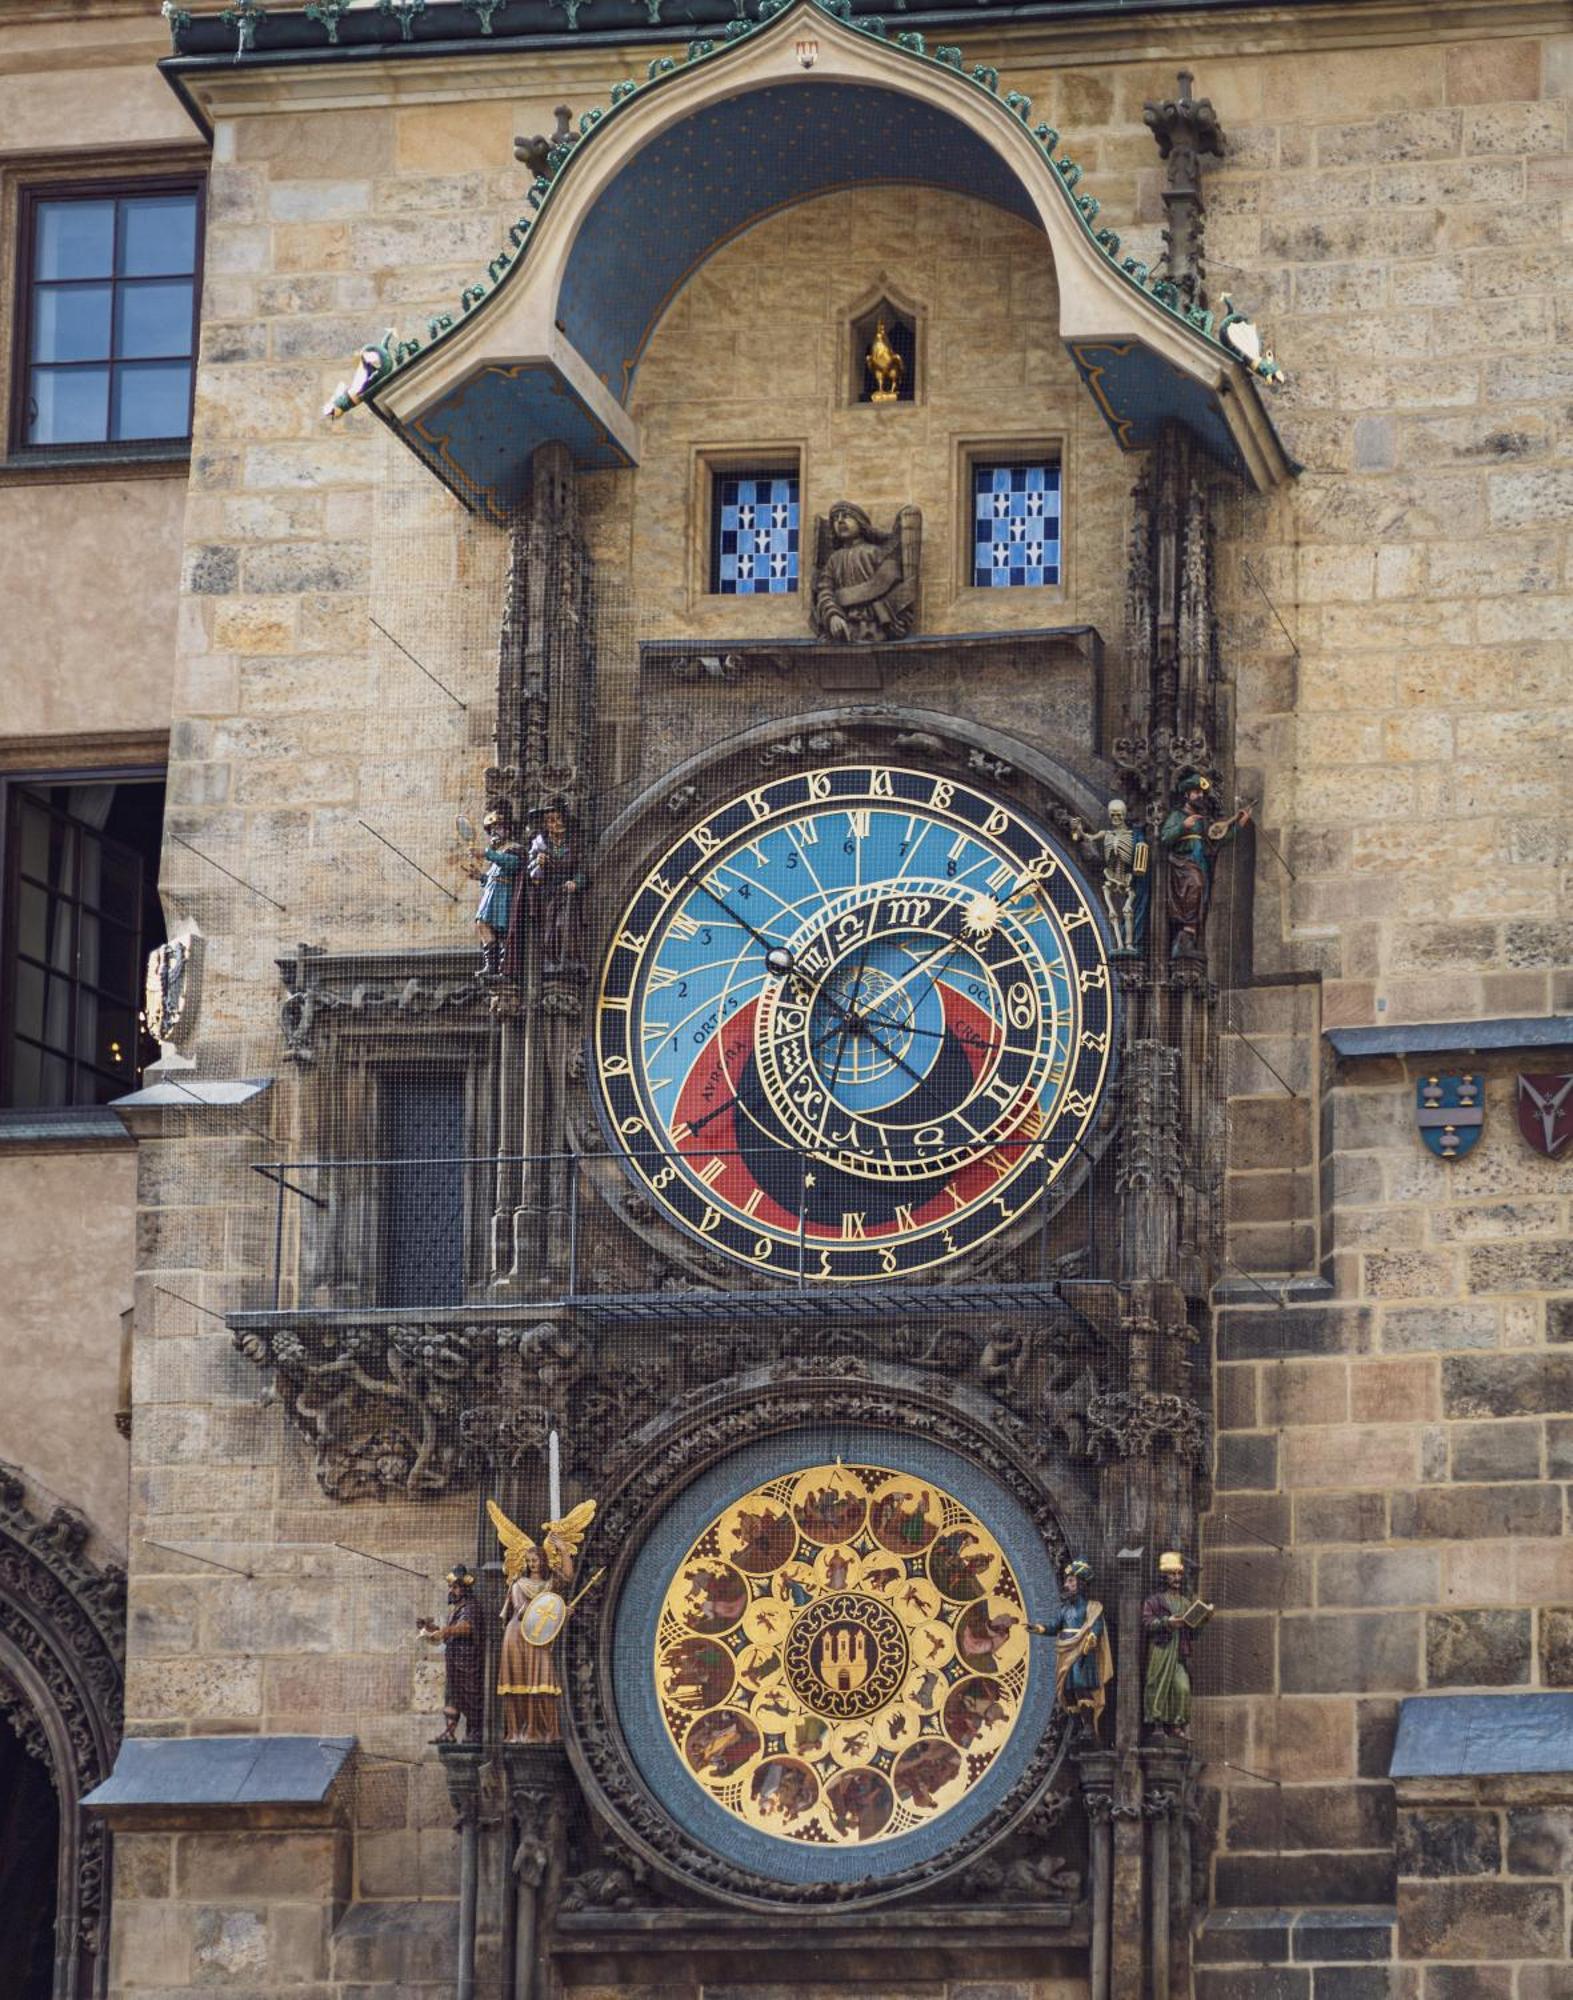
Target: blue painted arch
[{"x": 702, "y": 183}]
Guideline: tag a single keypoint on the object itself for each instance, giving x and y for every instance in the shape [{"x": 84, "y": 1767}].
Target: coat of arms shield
[
  {"x": 1545, "y": 1112},
  {"x": 1449, "y": 1112}
]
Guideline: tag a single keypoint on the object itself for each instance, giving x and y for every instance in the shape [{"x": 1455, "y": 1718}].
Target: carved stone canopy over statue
[{"x": 865, "y": 584}]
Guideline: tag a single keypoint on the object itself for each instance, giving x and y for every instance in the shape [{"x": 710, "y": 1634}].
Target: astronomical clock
[
  {"x": 855, "y": 1024},
  {"x": 852, "y": 1034}
]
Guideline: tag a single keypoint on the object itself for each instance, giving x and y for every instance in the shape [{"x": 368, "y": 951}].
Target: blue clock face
[{"x": 854, "y": 1023}]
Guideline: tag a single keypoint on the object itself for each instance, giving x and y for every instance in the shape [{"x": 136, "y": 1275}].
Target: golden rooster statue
[{"x": 886, "y": 366}]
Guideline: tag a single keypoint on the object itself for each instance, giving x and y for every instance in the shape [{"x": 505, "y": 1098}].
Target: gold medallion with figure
[{"x": 841, "y": 1656}]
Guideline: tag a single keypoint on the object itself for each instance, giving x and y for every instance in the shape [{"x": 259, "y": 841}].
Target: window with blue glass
[
  {"x": 1015, "y": 522},
  {"x": 109, "y": 322},
  {"x": 754, "y": 538}
]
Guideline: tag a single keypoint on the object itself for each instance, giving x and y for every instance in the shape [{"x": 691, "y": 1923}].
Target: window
[
  {"x": 754, "y": 533},
  {"x": 1015, "y": 522},
  {"x": 81, "y": 913},
  {"x": 108, "y": 315}
]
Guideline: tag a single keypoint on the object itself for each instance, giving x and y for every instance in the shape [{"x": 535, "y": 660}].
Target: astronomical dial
[{"x": 854, "y": 1023}]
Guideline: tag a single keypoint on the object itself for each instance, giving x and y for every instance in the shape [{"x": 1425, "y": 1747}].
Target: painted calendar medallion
[
  {"x": 854, "y": 1023},
  {"x": 856, "y": 1695}
]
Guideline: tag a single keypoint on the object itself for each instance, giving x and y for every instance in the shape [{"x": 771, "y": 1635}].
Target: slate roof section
[
  {"x": 1483, "y": 1735},
  {"x": 1450, "y": 1038},
  {"x": 234, "y": 1775}
]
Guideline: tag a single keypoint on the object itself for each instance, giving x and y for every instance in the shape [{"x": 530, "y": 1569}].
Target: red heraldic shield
[{"x": 1545, "y": 1112}]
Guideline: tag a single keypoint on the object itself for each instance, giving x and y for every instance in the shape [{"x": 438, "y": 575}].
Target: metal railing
[{"x": 436, "y": 1231}]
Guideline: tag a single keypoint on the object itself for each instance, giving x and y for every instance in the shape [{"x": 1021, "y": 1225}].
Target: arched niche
[
  {"x": 546, "y": 345},
  {"x": 61, "y": 1680}
]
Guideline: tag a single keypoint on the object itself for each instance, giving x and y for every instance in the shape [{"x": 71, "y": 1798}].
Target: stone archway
[{"x": 61, "y": 1653}]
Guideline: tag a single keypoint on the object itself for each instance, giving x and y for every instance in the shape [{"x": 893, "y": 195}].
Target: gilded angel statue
[{"x": 536, "y": 1611}]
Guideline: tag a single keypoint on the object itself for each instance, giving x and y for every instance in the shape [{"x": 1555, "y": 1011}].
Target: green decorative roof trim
[{"x": 396, "y": 354}]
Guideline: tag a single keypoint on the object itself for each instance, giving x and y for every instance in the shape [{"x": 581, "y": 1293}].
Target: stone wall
[
  {"x": 1388, "y": 1518},
  {"x": 89, "y": 563}
]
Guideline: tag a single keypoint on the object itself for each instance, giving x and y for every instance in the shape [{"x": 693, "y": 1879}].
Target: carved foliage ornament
[{"x": 407, "y": 1408}]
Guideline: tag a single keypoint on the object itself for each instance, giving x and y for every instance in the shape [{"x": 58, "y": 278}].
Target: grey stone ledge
[{"x": 1446, "y": 1038}]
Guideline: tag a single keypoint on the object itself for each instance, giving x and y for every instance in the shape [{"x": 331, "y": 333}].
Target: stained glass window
[
  {"x": 754, "y": 545},
  {"x": 1015, "y": 523}
]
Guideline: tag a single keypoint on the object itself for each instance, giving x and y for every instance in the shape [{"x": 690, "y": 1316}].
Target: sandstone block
[
  {"x": 1493, "y": 72},
  {"x": 1268, "y": 1982},
  {"x": 1474, "y": 1513},
  {"x": 1431, "y": 1329},
  {"x": 1477, "y": 1648},
  {"x": 1434, "y": 1841},
  {"x": 1401, "y": 135},
  {"x": 1366, "y": 1982},
  {"x": 1343, "y": 1936},
  {"x": 1328, "y": 1455},
  {"x": 1260, "y": 1579},
  {"x": 1496, "y": 1451},
  {"x": 1332, "y": 1653},
  {"x": 1246, "y": 1459},
  {"x": 1306, "y": 1392},
  {"x": 1357, "y": 1876},
  {"x": 1479, "y": 1919},
  {"x": 1555, "y": 1648},
  {"x": 1376, "y": 1726},
  {"x": 1508, "y": 1385},
  {"x": 1246, "y": 1334},
  {"x": 230, "y": 1947},
  {"x": 1247, "y": 1520},
  {"x": 1378, "y": 1577},
  {"x": 1264, "y": 1132},
  {"x": 1515, "y": 128},
  {"x": 1340, "y": 1517},
  {"x": 1393, "y": 1391},
  {"x": 1545, "y": 1982},
  {"x": 308, "y": 566},
  {"x": 1235, "y": 1398},
  {"x": 1470, "y": 1982},
  {"x": 210, "y": 572},
  {"x": 1311, "y": 1739},
  {"x": 1275, "y": 1817},
  {"x": 1540, "y": 1841}
]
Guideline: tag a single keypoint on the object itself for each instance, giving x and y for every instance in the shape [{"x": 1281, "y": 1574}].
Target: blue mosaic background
[
  {"x": 756, "y": 534},
  {"x": 639, "y": 1609},
  {"x": 1016, "y": 524}
]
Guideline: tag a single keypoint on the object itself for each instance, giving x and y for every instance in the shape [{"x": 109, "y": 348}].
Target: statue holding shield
[{"x": 536, "y": 1612}]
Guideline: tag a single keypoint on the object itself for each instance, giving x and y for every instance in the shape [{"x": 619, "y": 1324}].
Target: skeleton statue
[{"x": 1126, "y": 858}]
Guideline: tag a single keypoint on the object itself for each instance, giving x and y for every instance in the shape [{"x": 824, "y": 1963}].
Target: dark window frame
[
  {"x": 116, "y": 187},
  {"x": 12, "y": 782}
]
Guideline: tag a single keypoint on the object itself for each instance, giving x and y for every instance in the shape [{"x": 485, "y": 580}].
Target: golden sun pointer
[{"x": 981, "y": 917}]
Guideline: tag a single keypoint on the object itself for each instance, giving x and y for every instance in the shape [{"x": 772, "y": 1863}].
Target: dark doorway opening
[{"x": 29, "y": 1860}]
